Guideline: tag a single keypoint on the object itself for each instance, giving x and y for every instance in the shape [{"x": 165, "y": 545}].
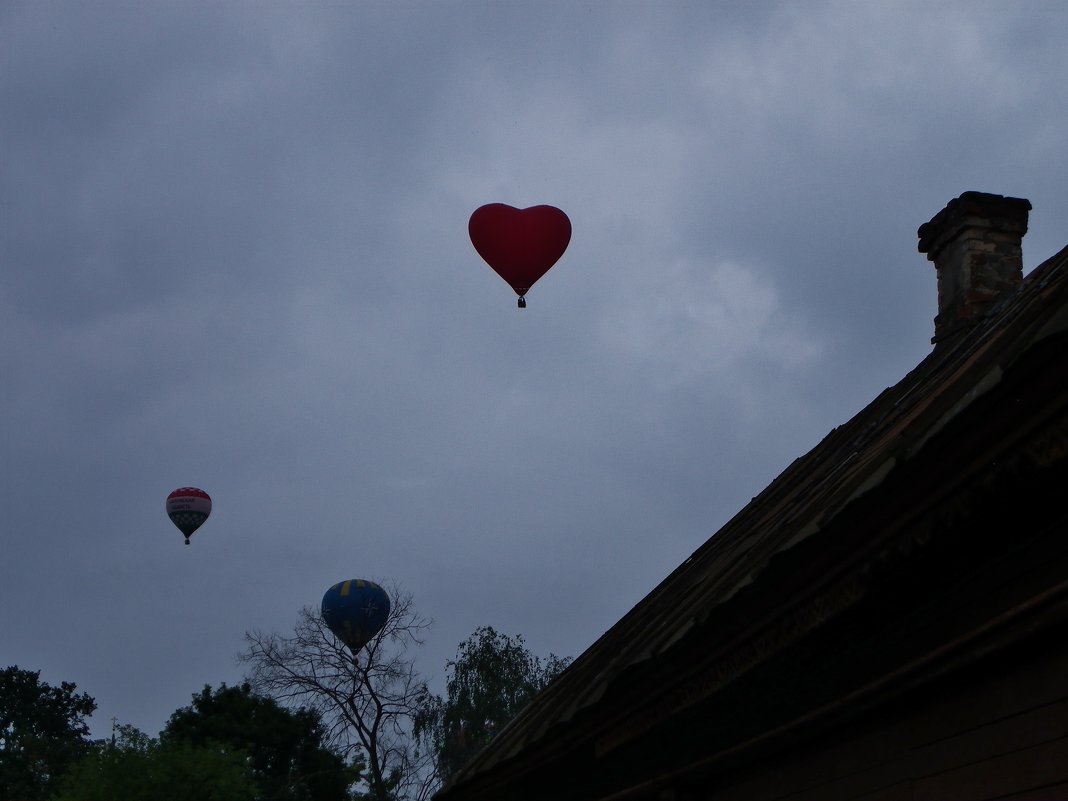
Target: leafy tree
[
  {"x": 135, "y": 767},
  {"x": 42, "y": 732},
  {"x": 492, "y": 678},
  {"x": 367, "y": 702},
  {"x": 286, "y": 750}
]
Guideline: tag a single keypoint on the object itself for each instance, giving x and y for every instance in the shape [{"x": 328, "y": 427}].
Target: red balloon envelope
[{"x": 520, "y": 244}]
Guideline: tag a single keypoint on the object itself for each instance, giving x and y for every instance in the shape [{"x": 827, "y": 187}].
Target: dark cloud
[{"x": 235, "y": 255}]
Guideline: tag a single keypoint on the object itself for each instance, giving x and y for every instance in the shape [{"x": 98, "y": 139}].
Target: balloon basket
[{"x": 522, "y": 304}]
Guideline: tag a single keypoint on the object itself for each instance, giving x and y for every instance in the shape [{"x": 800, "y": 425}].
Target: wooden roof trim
[{"x": 849, "y": 462}]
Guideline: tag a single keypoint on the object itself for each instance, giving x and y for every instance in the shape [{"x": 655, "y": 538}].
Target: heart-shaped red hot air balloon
[{"x": 520, "y": 244}]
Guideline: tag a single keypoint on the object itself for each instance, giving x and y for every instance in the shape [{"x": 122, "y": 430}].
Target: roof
[{"x": 802, "y": 502}]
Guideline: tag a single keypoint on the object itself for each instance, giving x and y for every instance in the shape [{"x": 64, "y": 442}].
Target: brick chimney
[{"x": 975, "y": 245}]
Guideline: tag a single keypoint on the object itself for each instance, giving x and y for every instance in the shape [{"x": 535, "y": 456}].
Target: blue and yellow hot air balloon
[{"x": 355, "y": 610}]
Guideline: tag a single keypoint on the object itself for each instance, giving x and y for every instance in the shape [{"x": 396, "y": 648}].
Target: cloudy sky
[{"x": 235, "y": 256}]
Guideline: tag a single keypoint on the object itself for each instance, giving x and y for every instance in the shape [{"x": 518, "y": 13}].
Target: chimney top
[{"x": 975, "y": 243}]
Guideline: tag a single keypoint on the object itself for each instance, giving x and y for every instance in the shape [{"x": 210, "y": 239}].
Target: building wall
[{"x": 1000, "y": 731}]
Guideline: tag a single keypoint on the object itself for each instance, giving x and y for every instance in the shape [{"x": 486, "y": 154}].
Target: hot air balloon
[
  {"x": 520, "y": 244},
  {"x": 355, "y": 610},
  {"x": 188, "y": 508}
]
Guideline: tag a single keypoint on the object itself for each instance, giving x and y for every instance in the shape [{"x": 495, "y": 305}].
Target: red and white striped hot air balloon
[{"x": 188, "y": 508}]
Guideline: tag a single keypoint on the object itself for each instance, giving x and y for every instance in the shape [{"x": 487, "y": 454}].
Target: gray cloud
[{"x": 236, "y": 256}]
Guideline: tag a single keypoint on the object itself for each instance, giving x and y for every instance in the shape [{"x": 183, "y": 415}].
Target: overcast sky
[{"x": 235, "y": 256}]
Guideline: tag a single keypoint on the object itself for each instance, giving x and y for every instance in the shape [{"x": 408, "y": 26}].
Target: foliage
[
  {"x": 492, "y": 678},
  {"x": 367, "y": 702},
  {"x": 135, "y": 767},
  {"x": 286, "y": 749},
  {"x": 42, "y": 732}
]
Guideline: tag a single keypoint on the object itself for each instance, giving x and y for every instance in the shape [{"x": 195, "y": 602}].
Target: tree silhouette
[
  {"x": 42, "y": 732},
  {"x": 492, "y": 678},
  {"x": 366, "y": 701},
  {"x": 286, "y": 750}
]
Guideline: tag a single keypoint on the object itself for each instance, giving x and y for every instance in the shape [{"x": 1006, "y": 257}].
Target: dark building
[{"x": 887, "y": 620}]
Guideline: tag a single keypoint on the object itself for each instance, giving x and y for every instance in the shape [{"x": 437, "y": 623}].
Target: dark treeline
[{"x": 312, "y": 722}]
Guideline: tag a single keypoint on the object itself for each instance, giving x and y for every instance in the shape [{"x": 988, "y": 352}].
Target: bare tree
[{"x": 368, "y": 700}]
